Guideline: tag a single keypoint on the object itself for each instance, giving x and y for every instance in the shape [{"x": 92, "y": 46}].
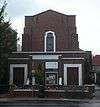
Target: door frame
[
  {"x": 18, "y": 65},
  {"x": 79, "y": 72}
]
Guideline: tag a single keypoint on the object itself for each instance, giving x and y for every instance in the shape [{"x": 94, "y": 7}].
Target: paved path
[{"x": 49, "y": 104}]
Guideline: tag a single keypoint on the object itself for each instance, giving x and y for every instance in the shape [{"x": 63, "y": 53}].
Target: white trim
[
  {"x": 18, "y": 58},
  {"x": 73, "y": 65},
  {"x": 60, "y": 80},
  {"x": 44, "y": 57},
  {"x": 36, "y": 55},
  {"x": 18, "y": 65},
  {"x": 72, "y": 58},
  {"x": 59, "y": 52},
  {"x": 45, "y": 40},
  {"x": 95, "y": 77}
]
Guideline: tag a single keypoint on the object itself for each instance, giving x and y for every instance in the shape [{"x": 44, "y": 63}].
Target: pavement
[
  {"x": 7, "y": 99},
  {"x": 28, "y": 99}
]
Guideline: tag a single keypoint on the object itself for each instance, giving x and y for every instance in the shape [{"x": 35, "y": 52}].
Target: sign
[{"x": 51, "y": 65}]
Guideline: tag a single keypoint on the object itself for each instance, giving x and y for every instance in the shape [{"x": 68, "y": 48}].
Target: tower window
[{"x": 49, "y": 41}]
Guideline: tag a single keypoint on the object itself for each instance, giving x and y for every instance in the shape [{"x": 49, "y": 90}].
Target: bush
[{"x": 4, "y": 88}]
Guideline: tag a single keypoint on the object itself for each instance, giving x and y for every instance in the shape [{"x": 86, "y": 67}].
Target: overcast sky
[{"x": 87, "y": 17}]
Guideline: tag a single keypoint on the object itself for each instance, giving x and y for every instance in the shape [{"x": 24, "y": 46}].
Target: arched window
[{"x": 49, "y": 41}]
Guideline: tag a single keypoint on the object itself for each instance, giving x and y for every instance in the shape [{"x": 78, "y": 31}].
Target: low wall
[{"x": 85, "y": 91}]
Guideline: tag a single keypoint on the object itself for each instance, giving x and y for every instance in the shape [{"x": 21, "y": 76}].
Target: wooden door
[
  {"x": 18, "y": 76},
  {"x": 72, "y": 76}
]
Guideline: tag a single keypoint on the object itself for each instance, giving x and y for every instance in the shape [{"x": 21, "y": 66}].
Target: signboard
[{"x": 51, "y": 65}]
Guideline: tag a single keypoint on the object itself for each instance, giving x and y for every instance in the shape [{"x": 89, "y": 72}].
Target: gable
[
  {"x": 64, "y": 27},
  {"x": 50, "y": 12}
]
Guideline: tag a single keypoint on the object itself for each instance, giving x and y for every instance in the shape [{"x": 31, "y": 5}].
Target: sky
[{"x": 87, "y": 17}]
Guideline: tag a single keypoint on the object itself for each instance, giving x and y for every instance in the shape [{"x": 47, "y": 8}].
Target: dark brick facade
[
  {"x": 65, "y": 66},
  {"x": 64, "y": 27},
  {"x": 68, "y": 57}
]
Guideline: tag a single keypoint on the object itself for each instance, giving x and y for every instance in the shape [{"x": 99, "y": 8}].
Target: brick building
[
  {"x": 61, "y": 27},
  {"x": 50, "y": 39},
  {"x": 96, "y": 68}
]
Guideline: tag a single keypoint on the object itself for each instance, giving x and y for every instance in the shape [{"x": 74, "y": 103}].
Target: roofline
[
  {"x": 52, "y": 52},
  {"x": 49, "y": 10}
]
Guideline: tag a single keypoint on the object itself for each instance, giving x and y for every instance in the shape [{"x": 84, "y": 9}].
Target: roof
[
  {"x": 96, "y": 60},
  {"x": 52, "y": 12}
]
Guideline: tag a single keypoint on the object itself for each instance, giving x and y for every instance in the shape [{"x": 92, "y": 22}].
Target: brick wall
[{"x": 64, "y": 27}]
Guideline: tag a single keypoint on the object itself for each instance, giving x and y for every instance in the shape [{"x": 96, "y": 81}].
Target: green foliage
[
  {"x": 39, "y": 80},
  {"x": 39, "y": 75},
  {"x": 8, "y": 43},
  {"x": 88, "y": 75},
  {"x": 2, "y": 12}
]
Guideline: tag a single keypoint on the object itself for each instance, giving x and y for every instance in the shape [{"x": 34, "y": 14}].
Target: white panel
[
  {"x": 72, "y": 58},
  {"x": 42, "y": 57},
  {"x": 51, "y": 65},
  {"x": 60, "y": 81}
]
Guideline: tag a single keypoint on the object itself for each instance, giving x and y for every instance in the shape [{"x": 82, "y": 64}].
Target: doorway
[
  {"x": 18, "y": 76},
  {"x": 72, "y": 76}
]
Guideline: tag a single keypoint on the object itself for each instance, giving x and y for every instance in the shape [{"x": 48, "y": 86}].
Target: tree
[
  {"x": 39, "y": 75},
  {"x": 8, "y": 43}
]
